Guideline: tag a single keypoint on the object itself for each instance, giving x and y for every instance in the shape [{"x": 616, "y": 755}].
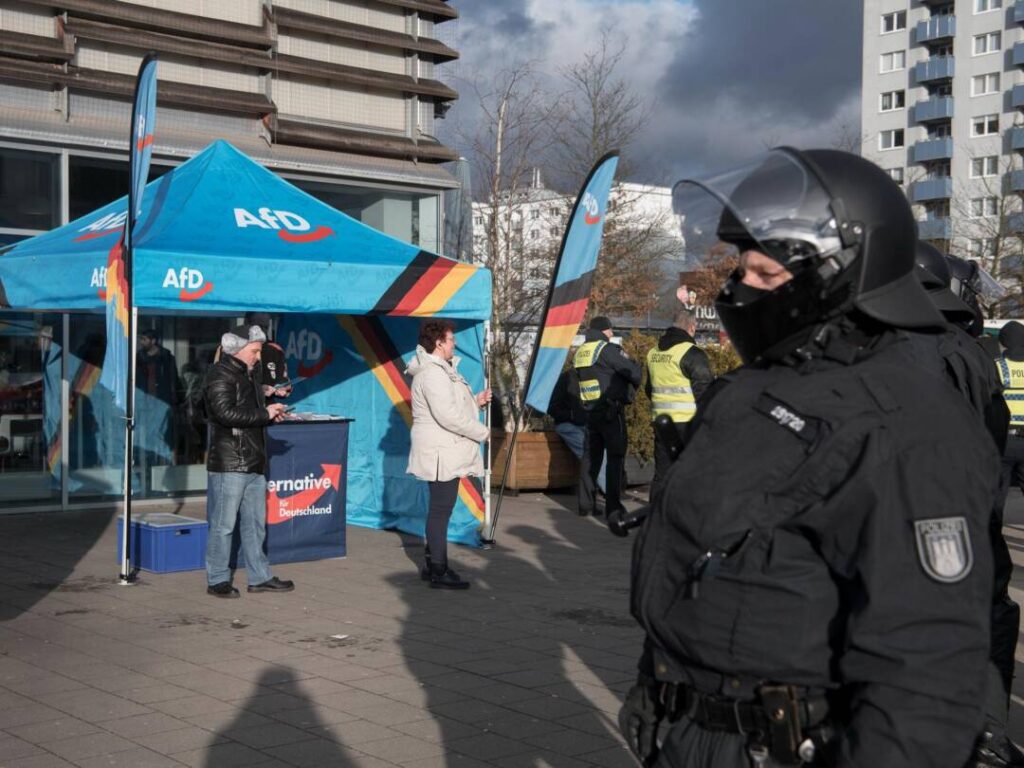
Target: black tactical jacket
[
  {"x": 791, "y": 546},
  {"x": 959, "y": 358},
  {"x": 237, "y": 413},
  {"x": 618, "y": 374}
]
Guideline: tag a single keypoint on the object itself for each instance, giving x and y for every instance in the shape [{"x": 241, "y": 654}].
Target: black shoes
[
  {"x": 223, "y": 589},
  {"x": 443, "y": 577},
  {"x": 274, "y": 584}
]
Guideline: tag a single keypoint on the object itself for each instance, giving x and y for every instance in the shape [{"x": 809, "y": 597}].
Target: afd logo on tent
[
  {"x": 307, "y": 349},
  {"x": 289, "y": 226},
  {"x": 591, "y": 209},
  {"x": 106, "y": 225},
  {"x": 190, "y": 283}
]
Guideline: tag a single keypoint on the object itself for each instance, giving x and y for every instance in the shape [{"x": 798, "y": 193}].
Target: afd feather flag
[
  {"x": 117, "y": 359},
  {"x": 571, "y": 283}
]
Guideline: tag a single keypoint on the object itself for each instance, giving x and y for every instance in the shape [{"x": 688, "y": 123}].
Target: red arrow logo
[
  {"x": 591, "y": 219},
  {"x": 308, "y": 237},
  {"x": 308, "y": 371},
  {"x": 100, "y": 233},
  {"x": 277, "y": 508},
  {"x": 193, "y": 295}
]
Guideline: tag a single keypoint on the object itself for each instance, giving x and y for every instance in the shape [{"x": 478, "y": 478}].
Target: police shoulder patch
[
  {"x": 803, "y": 426},
  {"x": 944, "y": 548}
]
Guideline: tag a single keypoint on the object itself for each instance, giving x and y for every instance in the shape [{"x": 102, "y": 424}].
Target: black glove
[{"x": 639, "y": 718}]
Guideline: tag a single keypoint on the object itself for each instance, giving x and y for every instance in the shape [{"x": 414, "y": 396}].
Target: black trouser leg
[
  {"x": 595, "y": 456},
  {"x": 662, "y": 459},
  {"x": 442, "y": 501},
  {"x": 586, "y": 501},
  {"x": 611, "y": 426}
]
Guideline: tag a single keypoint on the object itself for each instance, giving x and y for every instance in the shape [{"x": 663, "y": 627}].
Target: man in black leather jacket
[{"x": 236, "y": 490}]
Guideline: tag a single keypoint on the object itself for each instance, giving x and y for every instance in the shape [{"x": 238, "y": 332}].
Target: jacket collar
[
  {"x": 234, "y": 363},
  {"x": 673, "y": 336}
]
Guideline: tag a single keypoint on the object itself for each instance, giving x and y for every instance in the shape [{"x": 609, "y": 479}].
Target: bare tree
[
  {"x": 517, "y": 119},
  {"x": 990, "y": 229}
]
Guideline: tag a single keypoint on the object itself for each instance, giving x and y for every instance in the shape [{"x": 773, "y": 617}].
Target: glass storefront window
[
  {"x": 408, "y": 216},
  {"x": 93, "y": 182},
  {"x": 29, "y": 189},
  {"x": 30, "y": 408},
  {"x": 173, "y": 354}
]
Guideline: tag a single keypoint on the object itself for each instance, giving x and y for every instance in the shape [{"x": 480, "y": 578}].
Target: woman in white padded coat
[{"x": 446, "y": 437}]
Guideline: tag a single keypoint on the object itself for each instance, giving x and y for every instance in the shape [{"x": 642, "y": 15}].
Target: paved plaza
[{"x": 361, "y": 666}]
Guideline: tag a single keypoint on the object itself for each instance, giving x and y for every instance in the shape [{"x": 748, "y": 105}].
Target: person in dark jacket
[
  {"x": 956, "y": 356},
  {"x": 236, "y": 490},
  {"x": 678, "y": 373},
  {"x": 608, "y": 382},
  {"x": 570, "y": 419},
  {"x": 814, "y": 579}
]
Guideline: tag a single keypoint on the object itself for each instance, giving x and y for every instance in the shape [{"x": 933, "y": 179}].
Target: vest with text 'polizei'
[
  {"x": 671, "y": 391},
  {"x": 584, "y": 361},
  {"x": 1011, "y": 372}
]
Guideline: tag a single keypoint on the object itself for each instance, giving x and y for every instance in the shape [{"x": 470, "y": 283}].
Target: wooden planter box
[{"x": 539, "y": 462}]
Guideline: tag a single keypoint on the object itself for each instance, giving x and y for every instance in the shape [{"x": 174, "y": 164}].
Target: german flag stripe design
[
  {"x": 382, "y": 358},
  {"x": 424, "y": 287}
]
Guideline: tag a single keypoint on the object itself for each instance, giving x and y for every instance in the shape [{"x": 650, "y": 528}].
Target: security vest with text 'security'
[{"x": 671, "y": 390}]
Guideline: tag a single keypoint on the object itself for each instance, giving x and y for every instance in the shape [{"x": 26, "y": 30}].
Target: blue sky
[{"x": 726, "y": 78}]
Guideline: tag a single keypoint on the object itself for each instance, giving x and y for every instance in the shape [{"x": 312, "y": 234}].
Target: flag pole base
[
  {"x": 128, "y": 581},
  {"x": 487, "y": 544}
]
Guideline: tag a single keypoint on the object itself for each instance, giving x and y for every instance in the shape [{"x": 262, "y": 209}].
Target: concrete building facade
[
  {"x": 943, "y": 90},
  {"x": 341, "y": 97}
]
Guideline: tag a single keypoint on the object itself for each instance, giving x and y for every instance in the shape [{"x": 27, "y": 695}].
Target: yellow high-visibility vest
[
  {"x": 1012, "y": 374},
  {"x": 671, "y": 391},
  {"x": 586, "y": 356}
]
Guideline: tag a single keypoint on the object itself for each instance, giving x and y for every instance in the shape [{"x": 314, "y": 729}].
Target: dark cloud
[{"x": 726, "y": 78}]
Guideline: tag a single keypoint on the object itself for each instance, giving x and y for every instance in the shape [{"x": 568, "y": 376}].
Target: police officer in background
[
  {"x": 678, "y": 372},
  {"x": 1011, "y": 374},
  {"x": 608, "y": 382},
  {"x": 814, "y": 580},
  {"x": 964, "y": 364}
]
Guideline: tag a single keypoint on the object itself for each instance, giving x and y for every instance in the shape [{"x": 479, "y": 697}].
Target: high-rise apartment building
[{"x": 943, "y": 90}]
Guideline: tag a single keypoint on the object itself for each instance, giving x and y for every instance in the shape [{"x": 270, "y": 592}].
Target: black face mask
[{"x": 771, "y": 324}]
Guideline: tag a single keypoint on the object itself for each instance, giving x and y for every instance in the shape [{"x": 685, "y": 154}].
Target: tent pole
[
  {"x": 126, "y": 575},
  {"x": 488, "y": 540},
  {"x": 487, "y": 420}
]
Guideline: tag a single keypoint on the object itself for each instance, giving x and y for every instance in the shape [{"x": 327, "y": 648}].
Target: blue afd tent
[{"x": 221, "y": 234}]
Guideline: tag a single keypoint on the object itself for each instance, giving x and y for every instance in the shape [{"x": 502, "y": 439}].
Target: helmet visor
[{"x": 773, "y": 204}]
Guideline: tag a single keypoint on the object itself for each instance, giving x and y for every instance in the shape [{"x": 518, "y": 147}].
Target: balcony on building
[
  {"x": 935, "y": 69},
  {"x": 936, "y": 29},
  {"x": 939, "y": 188},
  {"x": 1017, "y": 96},
  {"x": 935, "y": 108},
  {"x": 939, "y": 228},
  {"x": 1018, "y": 13},
  {"x": 1017, "y": 181},
  {"x": 1017, "y": 138},
  {"x": 1017, "y": 56},
  {"x": 932, "y": 149}
]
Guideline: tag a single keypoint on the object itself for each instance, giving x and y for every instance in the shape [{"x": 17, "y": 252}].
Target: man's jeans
[
  {"x": 575, "y": 437},
  {"x": 227, "y": 495}
]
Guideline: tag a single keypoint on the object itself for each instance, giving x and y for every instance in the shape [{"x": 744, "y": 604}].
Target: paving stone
[
  {"x": 52, "y": 730},
  {"x": 140, "y": 725},
  {"x": 178, "y": 740},
  {"x": 47, "y": 760},
  {"x": 273, "y": 735},
  {"x": 12, "y": 747},
  {"x": 570, "y": 742},
  {"x": 226, "y": 755},
  {"x": 353, "y": 732},
  {"x": 314, "y": 753},
  {"x": 89, "y": 745},
  {"x": 401, "y": 749},
  {"x": 93, "y": 705},
  {"x": 489, "y": 746},
  {"x": 132, "y": 758}
]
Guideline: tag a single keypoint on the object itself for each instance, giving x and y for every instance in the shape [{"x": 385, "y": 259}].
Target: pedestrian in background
[
  {"x": 446, "y": 437},
  {"x": 678, "y": 373}
]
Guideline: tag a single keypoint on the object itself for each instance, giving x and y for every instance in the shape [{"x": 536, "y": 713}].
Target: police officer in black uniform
[
  {"x": 608, "y": 382},
  {"x": 966, "y": 366},
  {"x": 678, "y": 373},
  {"x": 814, "y": 579}
]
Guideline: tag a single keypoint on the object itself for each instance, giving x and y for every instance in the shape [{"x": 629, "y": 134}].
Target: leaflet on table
[{"x": 307, "y": 416}]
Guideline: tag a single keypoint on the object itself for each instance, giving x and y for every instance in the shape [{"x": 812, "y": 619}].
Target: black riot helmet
[
  {"x": 836, "y": 222},
  {"x": 933, "y": 273},
  {"x": 966, "y": 284},
  {"x": 1011, "y": 336}
]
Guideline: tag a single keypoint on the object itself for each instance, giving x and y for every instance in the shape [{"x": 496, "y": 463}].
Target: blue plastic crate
[{"x": 164, "y": 543}]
